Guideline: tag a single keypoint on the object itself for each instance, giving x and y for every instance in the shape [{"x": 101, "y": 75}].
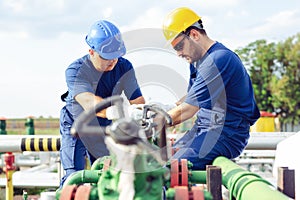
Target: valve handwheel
[
  {"x": 181, "y": 193},
  {"x": 83, "y": 192},
  {"x": 174, "y": 173},
  {"x": 106, "y": 164},
  {"x": 197, "y": 193},
  {"x": 184, "y": 172},
  {"x": 179, "y": 173},
  {"x": 68, "y": 192}
]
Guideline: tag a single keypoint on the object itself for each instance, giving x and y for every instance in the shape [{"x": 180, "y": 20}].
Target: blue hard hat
[{"x": 105, "y": 38}]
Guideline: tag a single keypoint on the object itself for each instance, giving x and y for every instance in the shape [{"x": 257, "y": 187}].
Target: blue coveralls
[
  {"x": 81, "y": 76},
  {"x": 221, "y": 87}
]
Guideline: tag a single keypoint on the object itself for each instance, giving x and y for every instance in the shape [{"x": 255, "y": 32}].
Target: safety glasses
[{"x": 179, "y": 45}]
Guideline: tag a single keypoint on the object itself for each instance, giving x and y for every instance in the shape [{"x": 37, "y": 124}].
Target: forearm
[
  {"x": 139, "y": 100},
  {"x": 88, "y": 101},
  {"x": 182, "y": 112},
  {"x": 181, "y": 100}
]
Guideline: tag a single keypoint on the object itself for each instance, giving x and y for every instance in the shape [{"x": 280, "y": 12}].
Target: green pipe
[
  {"x": 29, "y": 124},
  {"x": 94, "y": 193},
  {"x": 170, "y": 194},
  {"x": 197, "y": 177},
  {"x": 3, "y": 126},
  {"x": 99, "y": 163},
  {"x": 245, "y": 185},
  {"x": 83, "y": 176}
]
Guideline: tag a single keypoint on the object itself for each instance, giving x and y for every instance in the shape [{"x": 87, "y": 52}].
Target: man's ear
[
  {"x": 194, "y": 34},
  {"x": 91, "y": 52}
]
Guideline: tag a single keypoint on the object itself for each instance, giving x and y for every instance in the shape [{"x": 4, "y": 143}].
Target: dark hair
[{"x": 198, "y": 27}]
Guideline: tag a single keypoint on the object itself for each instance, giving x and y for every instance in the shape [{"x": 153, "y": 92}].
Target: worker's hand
[
  {"x": 135, "y": 111},
  {"x": 112, "y": 113},
  {"x": 161, "y": 120},
  {"x": 165, "y": 107}
]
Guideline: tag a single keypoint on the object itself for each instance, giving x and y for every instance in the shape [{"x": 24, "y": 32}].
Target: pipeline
[
  {"x": 83, "y": 176},
  {"x": 79, "y": 178},
  {"x": 245, "y": 185},
  {"x": 29, "y": 124},
  {"x": 205, "y": 195},
  {"x": 258, "y": 140},
  {"x": 197, "y": 177},
  {"x": 17, "y": 143},
  {"x": 266, "y": 140},
  {"x": 3, "y": 126},
  {"x": 9, "y": 160},
  {"x": 40, "y": 144},
  {"x": 11, "y": 143},
  {"x": 101, "y": 163}
]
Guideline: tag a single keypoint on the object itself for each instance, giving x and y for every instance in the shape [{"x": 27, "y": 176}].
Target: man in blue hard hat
[{"x": 102, "y": 73}]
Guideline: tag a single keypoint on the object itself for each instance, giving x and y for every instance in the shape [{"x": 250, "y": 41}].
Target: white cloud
[
  {"x": 16, "y": 6},
  {"x": 41, "y": 37},
  {"x": 15, "y": 34},
  {"x": 232, "y": 13},
  {"x": 279, "y": 26},
  {"x": 32, "y": 7},
  {"x": 284, "y": 19},
  {"x": 107, "y": 12},
  {"x": 218, "y": 3},
  {"x": 152, "y": 18}
]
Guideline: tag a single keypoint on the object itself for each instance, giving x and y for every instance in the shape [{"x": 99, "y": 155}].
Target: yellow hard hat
[{"x": 177, "y": 21}]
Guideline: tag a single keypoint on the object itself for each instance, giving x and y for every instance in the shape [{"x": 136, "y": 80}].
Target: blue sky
[{"x": 40, "y": 38}]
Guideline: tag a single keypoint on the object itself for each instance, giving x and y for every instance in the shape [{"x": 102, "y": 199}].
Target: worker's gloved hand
[
  {"x": 112, "y": 113},
  {"x": 165, "y": 119},
  {"x": 135, "y": 111},
  {"x": 165, "y": 107}
]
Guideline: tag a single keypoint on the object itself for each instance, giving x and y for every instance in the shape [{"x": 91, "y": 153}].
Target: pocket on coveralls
[{"x": 67, "y": 140}]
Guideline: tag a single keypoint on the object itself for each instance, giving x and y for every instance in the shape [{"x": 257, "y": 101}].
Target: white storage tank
[{"x": 287, "y": 155}]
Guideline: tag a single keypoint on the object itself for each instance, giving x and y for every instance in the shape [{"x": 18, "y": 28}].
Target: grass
[
  {"x": 42, "y": 126},
  {"x": 51, "y": 131}
]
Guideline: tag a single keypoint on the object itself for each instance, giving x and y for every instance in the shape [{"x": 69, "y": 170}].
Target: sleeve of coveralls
[
  {"x": 208, "y": 85},
  {"x": 130, "y": 84},
  {"x": 77, "y": 81}
]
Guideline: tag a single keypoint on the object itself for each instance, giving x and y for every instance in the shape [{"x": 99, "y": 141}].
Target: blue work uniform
[
  {"x": 81, "y": 76},
  {"x": 221, "y": 87}
]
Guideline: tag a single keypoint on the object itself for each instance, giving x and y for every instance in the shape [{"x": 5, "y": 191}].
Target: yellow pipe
[
  {"x": 40, "y": 144},
  {"x": 17, "y": 143},
  {"x": 45, "y": 144},
  {"x": 36, "y": 145},
  {"x": 9, "y": 185}
]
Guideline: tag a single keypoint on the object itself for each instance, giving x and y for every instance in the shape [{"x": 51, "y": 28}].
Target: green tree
[
  {"x": 275, "y": 73},
  {"x": 286, "y": 91}
]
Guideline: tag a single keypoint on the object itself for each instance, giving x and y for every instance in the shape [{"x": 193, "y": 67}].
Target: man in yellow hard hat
[{"x": 220, "y": 93}]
